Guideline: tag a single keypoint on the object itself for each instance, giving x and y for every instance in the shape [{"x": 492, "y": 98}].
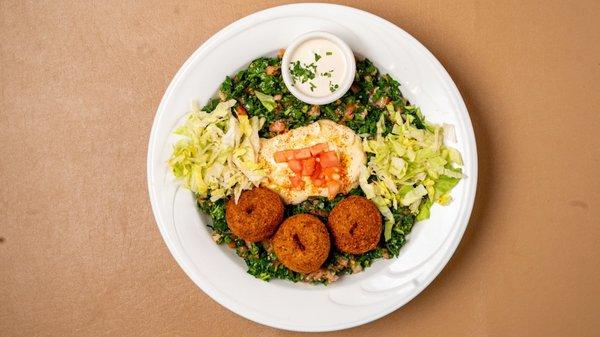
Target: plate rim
[{"x": 232, "y": 304}]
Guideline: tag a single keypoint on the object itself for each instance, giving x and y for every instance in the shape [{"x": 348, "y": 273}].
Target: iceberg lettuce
[
  {"x": 409, "y": 167},
  {"x": 267, "y": 100},
  {"x": 217, "y": 154}
]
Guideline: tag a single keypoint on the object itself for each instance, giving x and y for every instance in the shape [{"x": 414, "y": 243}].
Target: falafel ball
[
  {"x": 302, "y": 243},
  {"x": 256, "y": 215},
  {"x": 355, "y": 224}
]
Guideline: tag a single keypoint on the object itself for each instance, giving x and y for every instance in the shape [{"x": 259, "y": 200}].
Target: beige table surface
[{"x": 80, "y": 254}]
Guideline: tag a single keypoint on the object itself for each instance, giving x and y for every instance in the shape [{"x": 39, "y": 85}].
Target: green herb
[
  {"x": 328, "y": 53},
  {"x": 327, "y": 73},
  {"x": 264, "y": 265},
  {"x": 302, "y": 72},
  {"x": 312, "y": 86},
  {"x": 317, "y": 57},
  {"x": 216, "y": 211},
  {"x": 333, "y": 87},
  {"x": 404, "y": 222}
]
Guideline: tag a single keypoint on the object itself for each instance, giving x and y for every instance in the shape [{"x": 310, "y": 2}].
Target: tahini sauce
[{"x": 329, "y": 62}]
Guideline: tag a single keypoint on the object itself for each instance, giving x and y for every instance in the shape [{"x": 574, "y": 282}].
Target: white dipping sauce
[{"x": 322, "y": 60}]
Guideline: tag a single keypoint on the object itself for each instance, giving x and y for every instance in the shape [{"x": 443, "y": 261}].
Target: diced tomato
[
  {"x": 331, "y": 173},
  {"x": 297, "y": 181},
  {"x": 295, "y": 165},
  {"x": 280, "y": 156},
  {"x": 302, "y": 153},
  {"x": 289, "y": 155},
  {"x": 318, "y": 182},
  {"x": 329, "y": 159},
  {"x": 308, "y": 166},
  {"x": 318, "y": 148},
  {"x": 240, "y": 110},
  {"x": 283, "y": 156},
  {"x": 333, "y": 187},
  {"x": 318, "y": 172},
  {"x": 349, "y": 114}
]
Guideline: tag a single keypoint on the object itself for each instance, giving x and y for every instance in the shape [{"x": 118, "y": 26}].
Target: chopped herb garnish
[
  {"x": 303, "y": 72},
  {"x": 328, "y": 53},
  {"x": 327, "y": 73},
  {"x": 312, "y": 86},
  {"x": 333, "y": 87},
  {"x": 317, "y": 57}
]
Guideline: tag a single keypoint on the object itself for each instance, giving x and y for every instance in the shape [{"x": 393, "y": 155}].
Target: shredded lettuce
[
  {"x": 217, "y": 153},
  {"x": 267, "y": 100},
  {"x": 409, "y": 167},
  {"x": 441, "y": 188}
]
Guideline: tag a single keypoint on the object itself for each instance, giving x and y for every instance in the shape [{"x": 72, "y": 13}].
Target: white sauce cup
[{"x": 348, "y": 78}]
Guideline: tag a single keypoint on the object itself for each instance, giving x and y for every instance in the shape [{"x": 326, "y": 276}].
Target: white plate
[{"x": 355, "y": 299}]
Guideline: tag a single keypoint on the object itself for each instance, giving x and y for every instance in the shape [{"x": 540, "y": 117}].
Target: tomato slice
[
  {"x": 329, "y": 159},
  {"x": 308, "y": 166},
  {"x": 295, "y": 165},
  {"x": 296, "y": 181},
  {"x": 302, "y": 153},
  {"x": 333, "y": 188},
  {"x": 318, "y": 148}
]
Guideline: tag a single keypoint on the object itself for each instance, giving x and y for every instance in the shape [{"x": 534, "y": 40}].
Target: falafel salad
[{"x": 310, "y": 193}]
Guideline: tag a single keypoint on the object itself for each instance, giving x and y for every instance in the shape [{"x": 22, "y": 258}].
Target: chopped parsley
[
  {"x": 317, "y": 57},
  {"x": 327, "y": 73},
  {"x": 333, "y": 87},
  {"x": 329, "y": 53},
  {"x": 303, "y": 72}
]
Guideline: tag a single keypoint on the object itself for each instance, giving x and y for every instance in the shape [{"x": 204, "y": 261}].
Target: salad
[{"x": 406, "y": 169}]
